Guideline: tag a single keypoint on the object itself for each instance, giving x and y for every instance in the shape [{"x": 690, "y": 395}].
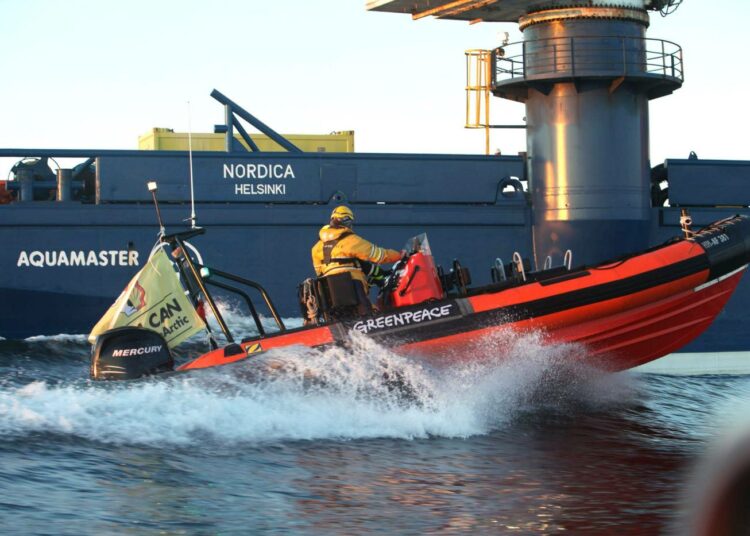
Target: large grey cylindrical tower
[{"x": 586, "y": 75}]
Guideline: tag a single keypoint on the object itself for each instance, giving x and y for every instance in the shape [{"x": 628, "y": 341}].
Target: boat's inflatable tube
[
  {"x": 727, "y": 245},
  {"x": 127, "y": 353}
]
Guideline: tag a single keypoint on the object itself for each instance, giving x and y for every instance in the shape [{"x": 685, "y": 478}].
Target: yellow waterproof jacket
[{"x": 345, "y": 246}]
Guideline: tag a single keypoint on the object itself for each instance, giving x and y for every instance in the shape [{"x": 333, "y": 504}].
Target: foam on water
[
  {"x": 363, "y": 391},
  {"x": 62, "y": 337},
  {"x": 238, "y": 320}
]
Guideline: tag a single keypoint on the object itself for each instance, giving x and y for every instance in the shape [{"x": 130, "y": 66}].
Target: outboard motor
[{"x": 128, "y": 352}]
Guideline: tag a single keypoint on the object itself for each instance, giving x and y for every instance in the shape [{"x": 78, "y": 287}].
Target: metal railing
[{"x": 561, "y": 57}]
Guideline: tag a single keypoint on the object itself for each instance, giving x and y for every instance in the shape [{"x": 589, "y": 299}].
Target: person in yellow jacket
[{"x": 340, "y": 250}]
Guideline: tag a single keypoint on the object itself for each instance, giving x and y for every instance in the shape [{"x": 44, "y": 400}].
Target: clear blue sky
[{"x": 84, "y": 73}]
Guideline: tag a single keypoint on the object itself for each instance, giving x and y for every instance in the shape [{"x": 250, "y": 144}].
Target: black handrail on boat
[
  {"x": 251, "y": 284},
  {"x": 248, "y": 301}
]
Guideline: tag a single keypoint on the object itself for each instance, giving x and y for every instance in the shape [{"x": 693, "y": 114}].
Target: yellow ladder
[{"x": 478, "y": 79}]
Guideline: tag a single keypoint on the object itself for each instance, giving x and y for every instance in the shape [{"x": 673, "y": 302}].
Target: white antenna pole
[{"x": 190, "y": 156}]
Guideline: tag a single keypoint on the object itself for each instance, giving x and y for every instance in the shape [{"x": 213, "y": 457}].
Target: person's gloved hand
[{"x": 378, "y": 276}]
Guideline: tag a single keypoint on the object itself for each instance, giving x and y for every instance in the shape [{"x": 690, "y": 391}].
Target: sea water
[{"x": 514, "y": 438}]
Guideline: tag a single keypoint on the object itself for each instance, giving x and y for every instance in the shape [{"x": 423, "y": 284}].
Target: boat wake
[{"x": 361, "y": 391}]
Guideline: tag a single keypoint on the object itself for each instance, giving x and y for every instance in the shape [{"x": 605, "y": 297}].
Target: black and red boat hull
[{"x": 623, "y": 313}]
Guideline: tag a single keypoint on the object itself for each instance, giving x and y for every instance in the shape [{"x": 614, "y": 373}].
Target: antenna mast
[{"x": 190, "y": 158}]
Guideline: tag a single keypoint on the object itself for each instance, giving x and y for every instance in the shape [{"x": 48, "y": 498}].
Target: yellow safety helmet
[{"x": 343, "y": 215}]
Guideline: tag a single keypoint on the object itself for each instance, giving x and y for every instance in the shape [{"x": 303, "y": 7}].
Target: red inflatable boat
[{"x": 625, "y": 312}]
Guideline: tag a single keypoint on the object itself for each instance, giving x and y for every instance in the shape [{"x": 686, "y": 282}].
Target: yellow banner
[{"x": 156, "y": 300}]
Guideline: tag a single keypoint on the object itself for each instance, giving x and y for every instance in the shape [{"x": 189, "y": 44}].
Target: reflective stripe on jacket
[{"x": 348, "y": 247}]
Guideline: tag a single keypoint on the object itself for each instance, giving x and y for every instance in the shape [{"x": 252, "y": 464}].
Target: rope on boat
[{"x": 310, "y": 299}]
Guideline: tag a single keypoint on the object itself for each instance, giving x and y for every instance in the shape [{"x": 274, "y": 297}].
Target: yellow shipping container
[{"x": 166, "y": 139}]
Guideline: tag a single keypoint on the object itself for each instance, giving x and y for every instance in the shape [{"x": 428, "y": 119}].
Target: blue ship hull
[
  {"x": 270, "y": 244},
  {"x": 105, "y": 244}
]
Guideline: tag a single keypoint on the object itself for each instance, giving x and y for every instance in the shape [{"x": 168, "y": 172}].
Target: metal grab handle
[
  {"x": 518, "y": 261},
  {"x": 500, "y": 267},
  {"x": 568, "y": 259},
  {"x": 547, "y": 263}
]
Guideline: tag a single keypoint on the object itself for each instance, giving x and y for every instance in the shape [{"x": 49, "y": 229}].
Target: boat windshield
[{"x": 418, "y": 244}]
